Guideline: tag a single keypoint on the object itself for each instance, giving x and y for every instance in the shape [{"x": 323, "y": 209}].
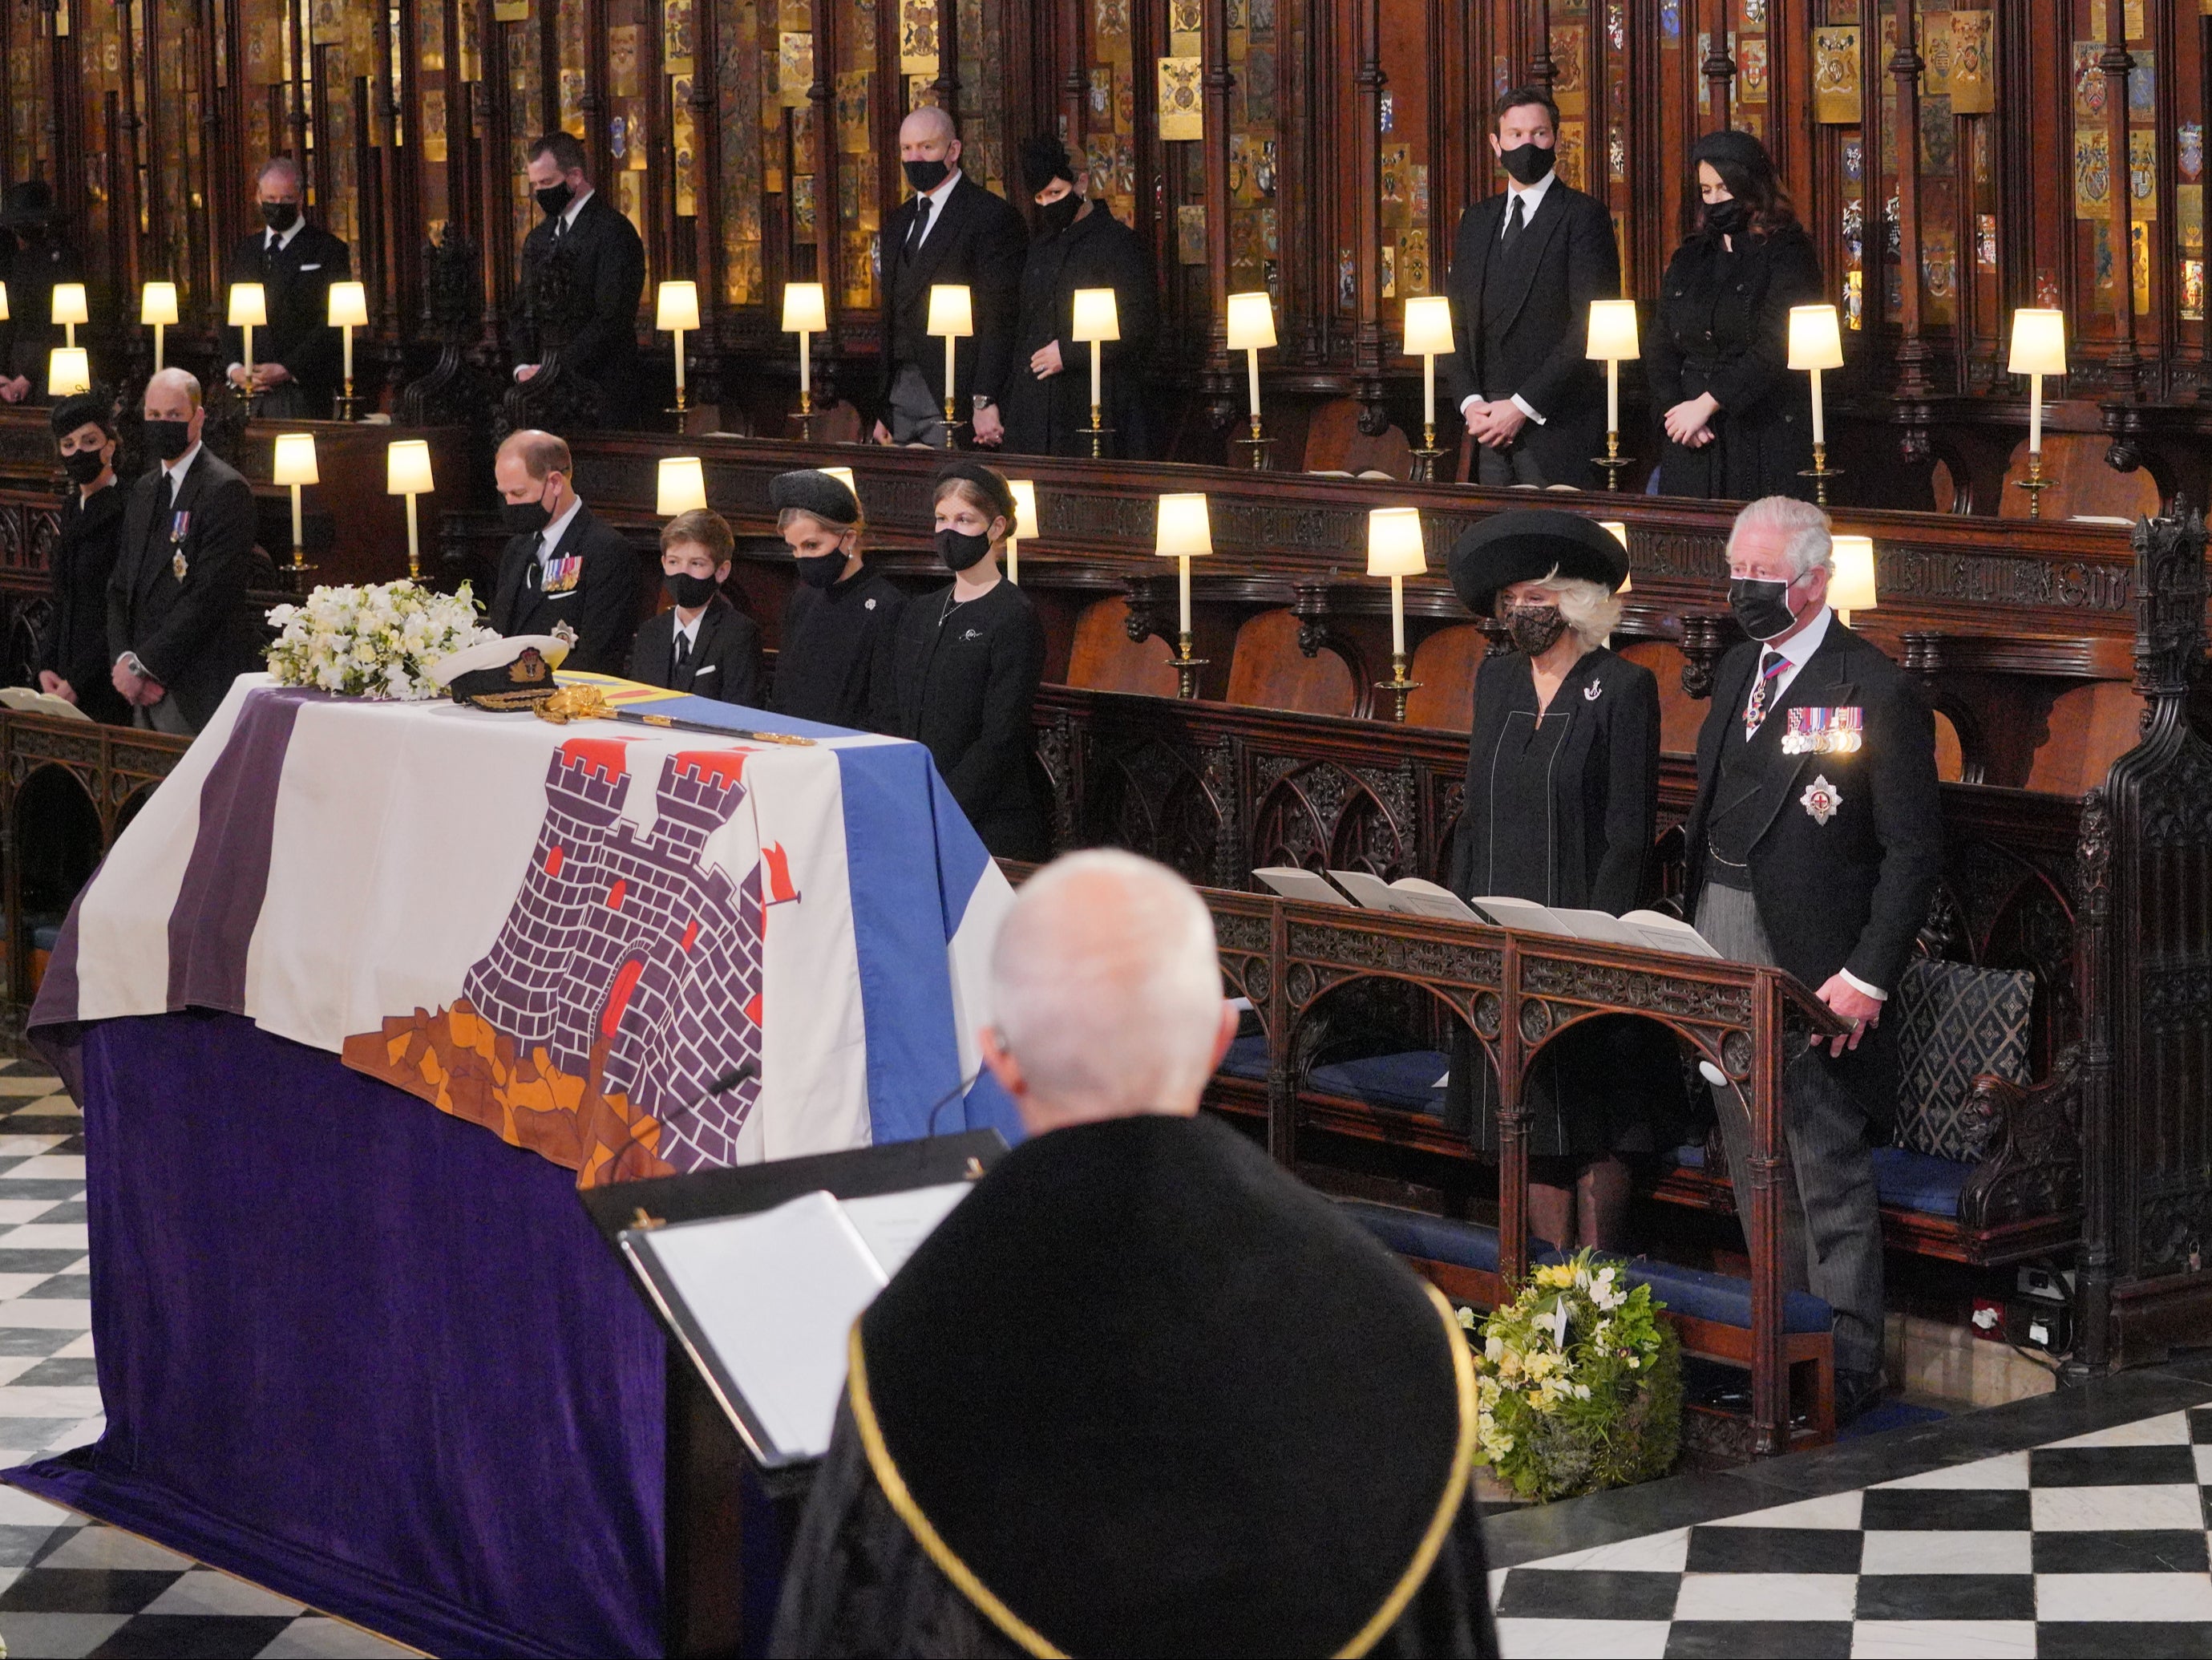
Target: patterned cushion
[{"x": 1955, "y": 1021}]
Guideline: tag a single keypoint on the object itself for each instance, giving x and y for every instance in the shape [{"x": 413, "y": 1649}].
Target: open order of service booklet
[
  {"x": 764, "y": 1302},
  {"x": 1410, "y": 895}
]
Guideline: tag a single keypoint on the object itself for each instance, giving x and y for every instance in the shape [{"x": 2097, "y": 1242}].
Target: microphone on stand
[
  {"x": 721, "y": 1086},
  {"x": 945, "y": 1100}
]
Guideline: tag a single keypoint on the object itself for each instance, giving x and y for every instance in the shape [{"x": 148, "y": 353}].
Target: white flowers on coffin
[{"x": 378, "y": 641}]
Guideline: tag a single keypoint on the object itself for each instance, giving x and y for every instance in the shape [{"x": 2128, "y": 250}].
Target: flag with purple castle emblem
[{"x": 573, "y": 936}]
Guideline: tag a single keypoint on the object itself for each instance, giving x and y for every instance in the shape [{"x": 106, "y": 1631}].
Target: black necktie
[
  {"x": 921, "y": 206},
  {"x": 682, "y": 653},
  {"x": 269, "y": 254},
  {"x": 1513, "y": 222}
]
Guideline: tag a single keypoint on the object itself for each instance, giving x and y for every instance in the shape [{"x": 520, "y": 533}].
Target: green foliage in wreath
[{"x": 1578, "y": 1384}]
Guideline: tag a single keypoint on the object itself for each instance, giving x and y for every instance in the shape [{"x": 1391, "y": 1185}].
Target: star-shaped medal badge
[
  {"x": 179, "y": 566},
  {"x": 1822, "y": 799}
]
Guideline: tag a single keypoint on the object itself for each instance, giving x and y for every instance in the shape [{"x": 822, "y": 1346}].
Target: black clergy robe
[
  {"x": 1043, "y": 418},
  {"x": 834, "y": 656}
]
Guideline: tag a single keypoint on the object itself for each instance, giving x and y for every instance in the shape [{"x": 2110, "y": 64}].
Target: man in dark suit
[
  {"x": 597, "y": 330},
  {"x": 702, "y": 644},
  {"x": 40, "y": 257},
  {"x": 561, "y": 565},
  {"x": 296, "y": 354},
  {"x": 1815, "y": 845},
  {"x": 952, "y": 231},
  {"x": 1525, "y": 267},
  {"x": 178, "y": 633}
]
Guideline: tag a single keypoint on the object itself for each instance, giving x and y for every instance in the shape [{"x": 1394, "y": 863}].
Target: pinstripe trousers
[{"x": 1831, "y": 1217}]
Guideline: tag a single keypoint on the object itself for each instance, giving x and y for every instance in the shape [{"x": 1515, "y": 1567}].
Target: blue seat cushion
[
  {"x": 1691, "y": 1156},
  {"x": 1919, "y": 1181},
  {"x": 1247, "y": 1058},
  {"x": 46, "y": 938},
  {"x": 1407, "y": 1080},
  {"x": 1723, "y": 1299},
  {"x": 1434, "y": 1238}
]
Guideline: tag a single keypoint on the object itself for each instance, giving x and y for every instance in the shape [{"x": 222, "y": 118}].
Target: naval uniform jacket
[
  {"x": 726, "y": 658},
  {"x": 963, "y": 681},
  {"x": 178, "y": 594},
  {"x": 1521, "y": 320},
  {"x": 975, "y": 237},
  {"x": 1844, "y": 849},
  {"x": 1723, "y": 327},
  {"x": 833, "y": 659},
  {"x": 599, "y": 600},
  {"x": 298, "y": 278},
  {"x": 82, "y": 561}
]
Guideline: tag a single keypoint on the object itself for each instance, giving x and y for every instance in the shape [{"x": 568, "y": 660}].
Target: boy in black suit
[
  {"x": 1815, "y": 845},
  {"x": 952, "y": 231},
  {"x": 1525, "y": 266},
  {"x": 559, "y": 564},
  {"x": 597, "y": 336},
  {"x": 702, "y": 644},
  {"x": 177, "y": 632},
  {"x": 297, "y": 356}
]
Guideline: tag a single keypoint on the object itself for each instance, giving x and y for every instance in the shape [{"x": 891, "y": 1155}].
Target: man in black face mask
[
  {"x": 833, "y": 657},
  {"x": 1079, "y": 245},
  {"x": 702, "y": 644},
  {"x": 297, "y": 369},
  {"x": 597, "y": 335},
  {"x": 1525, "y": 266},
  {"x": 561, "y": 565},
  {"x": 1815, "y": 844},
  {"x": 178, "y": 629},
  {"x": 951, "y": 231}
]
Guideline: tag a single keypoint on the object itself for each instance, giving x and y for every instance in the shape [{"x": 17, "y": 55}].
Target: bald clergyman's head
[{"x": 1108, "y": 988}]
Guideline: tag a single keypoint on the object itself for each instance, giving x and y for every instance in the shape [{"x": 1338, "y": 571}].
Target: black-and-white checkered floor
[
  {"x": 69, "y": 1586},
  {"x": 2092, "y": 1545}
]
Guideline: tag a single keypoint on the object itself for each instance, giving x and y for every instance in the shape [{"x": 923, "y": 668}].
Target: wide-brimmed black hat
[
  {"x": 31, "y": 202},
  {"x": 815, "y": 493},
  {"x": 1044, "y": 158},
  {"x": 1530, "y": 545}
]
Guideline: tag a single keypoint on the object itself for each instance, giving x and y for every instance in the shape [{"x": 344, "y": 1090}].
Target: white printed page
[{"x": 894, "y": 1224}]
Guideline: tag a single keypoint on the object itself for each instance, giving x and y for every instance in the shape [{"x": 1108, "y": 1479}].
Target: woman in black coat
[
  {"x": 965, "y": 664},
  {"x": 1738, "y": 423},
  {"x": 1562, "y": 801},
  {"x": 73, "y": 660}
]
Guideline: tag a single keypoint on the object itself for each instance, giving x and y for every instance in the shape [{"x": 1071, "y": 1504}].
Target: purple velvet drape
[{"x": 361, "y": 1352}]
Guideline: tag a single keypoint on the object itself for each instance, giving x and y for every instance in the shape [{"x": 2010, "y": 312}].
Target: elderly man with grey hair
[
  {"x": 296, "y": 369},
  {"x": 1815, "y": 844},
  {"x": 1141, "y": 1392}
]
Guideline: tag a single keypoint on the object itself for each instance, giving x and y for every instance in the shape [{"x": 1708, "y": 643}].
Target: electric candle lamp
[
  {"x": 70, "y": 308},
  {"x": 3, "y": 302},
  {"x": 807, "y": 313},
  {"x": 844, "y": 475},
  {"x": 1619, "y": 533},
  {"x": 2038, "y": 348},
  {"x": 1850, "y": 585},
  {"x": 157, "y": 310},
  {"x": 407, "y": 473},
  {"x": 676, "y": 311},
  {"x": 249, "y": 310},
  {"x": 349, "y": 311},
  {"x": 1097, "y": 320},
  {"x": 68, "y": 371},
  {"x": 1184, "y": 533},
  {"x": 952, "y": 315},
  {"x": 1612, "y": 338},
  {"x": 1428, "y": 336},
  {"x": 1394, "y": 549},
  {"x": 1251, "y": 330},
  {"x": 1025, "y": 523},
  {"x": 295, "y": 466},
  {"x": 682, "y": 485},
  {"x": 1816, "y": 343}
]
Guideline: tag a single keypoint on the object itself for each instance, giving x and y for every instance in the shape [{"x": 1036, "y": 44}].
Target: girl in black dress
[
  {"x": 1738, "y": 423},
  {"x": 1562, "y": 800},
  {"x": 965, "y": 665}
]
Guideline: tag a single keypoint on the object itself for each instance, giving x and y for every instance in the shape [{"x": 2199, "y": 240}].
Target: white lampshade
[
  {"x": 69, "y": 304},
  {"x": 349, "y": 305},
  {"x": 844, "y": 475},
  {"x": 1096, "y": 317},
  {"x": 805, "y": 309},
  {"x": 1393, "y": 542},
  {"x": 1850, "y": 586},
  {"x": 1618, "y": 531},
  {"x": 950, "y": 312},
  {"x": 1251, "y": 322},
  {"x": 2039, "y": 341},
  {"x": 295, "y": 460},
  {"x": 157, "y": 303},
  {"x": 1026, "y": 514},
  {"x": 407, "y": 468},
  {"x": 68, "y": 370},
  {"x": 677, "y": 307},
  {"x": 1184, "y": 527},
  {"x": 3, "y": 302},
  {"x": 682, "y": 485},
  {"x": 1428, "y": 326},
  {"x": 1613, "y": 331},
  {"x": 1816, "y": 340},
  {"x": 249, "y": 305}
]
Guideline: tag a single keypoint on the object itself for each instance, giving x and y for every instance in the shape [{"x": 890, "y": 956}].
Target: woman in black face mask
[
  {"x": 833, "y": 655},
  {"x": 1562, "y": 802},
  {"x": 965, "y": 666},
  {"x": 73, "y": 660},
  {"x": 1078, "y": 244},
  {"x": 1737, "y": 424}
]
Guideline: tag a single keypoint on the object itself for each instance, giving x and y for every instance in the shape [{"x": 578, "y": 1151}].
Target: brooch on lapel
[
  {"x": 179, "y": 566},
  {"x": 1815, "y": 731},
  {"x": 1822, "y": 799},
  {"x": 1590, "y": 691}
]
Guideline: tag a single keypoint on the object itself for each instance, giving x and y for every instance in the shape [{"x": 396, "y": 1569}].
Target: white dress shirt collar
[
  {"x": 177, "y": 468},
  {"x": 1532, "y": 198},
  {"x": 1797, "y": 651},
  {"x": 568, "y": 214},
  {"x": 690, "y": 630},
  {"x": 937, "y": 198},
  {"x": 549, "y": 537},
  {"x": 283, "y": 238}
]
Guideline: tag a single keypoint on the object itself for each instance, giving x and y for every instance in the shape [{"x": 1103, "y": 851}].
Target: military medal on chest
[
  {"x": 1815, "y": 731},
  {"x": 1822, "y": 801},
  {"x": 179, "y": 523}
]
